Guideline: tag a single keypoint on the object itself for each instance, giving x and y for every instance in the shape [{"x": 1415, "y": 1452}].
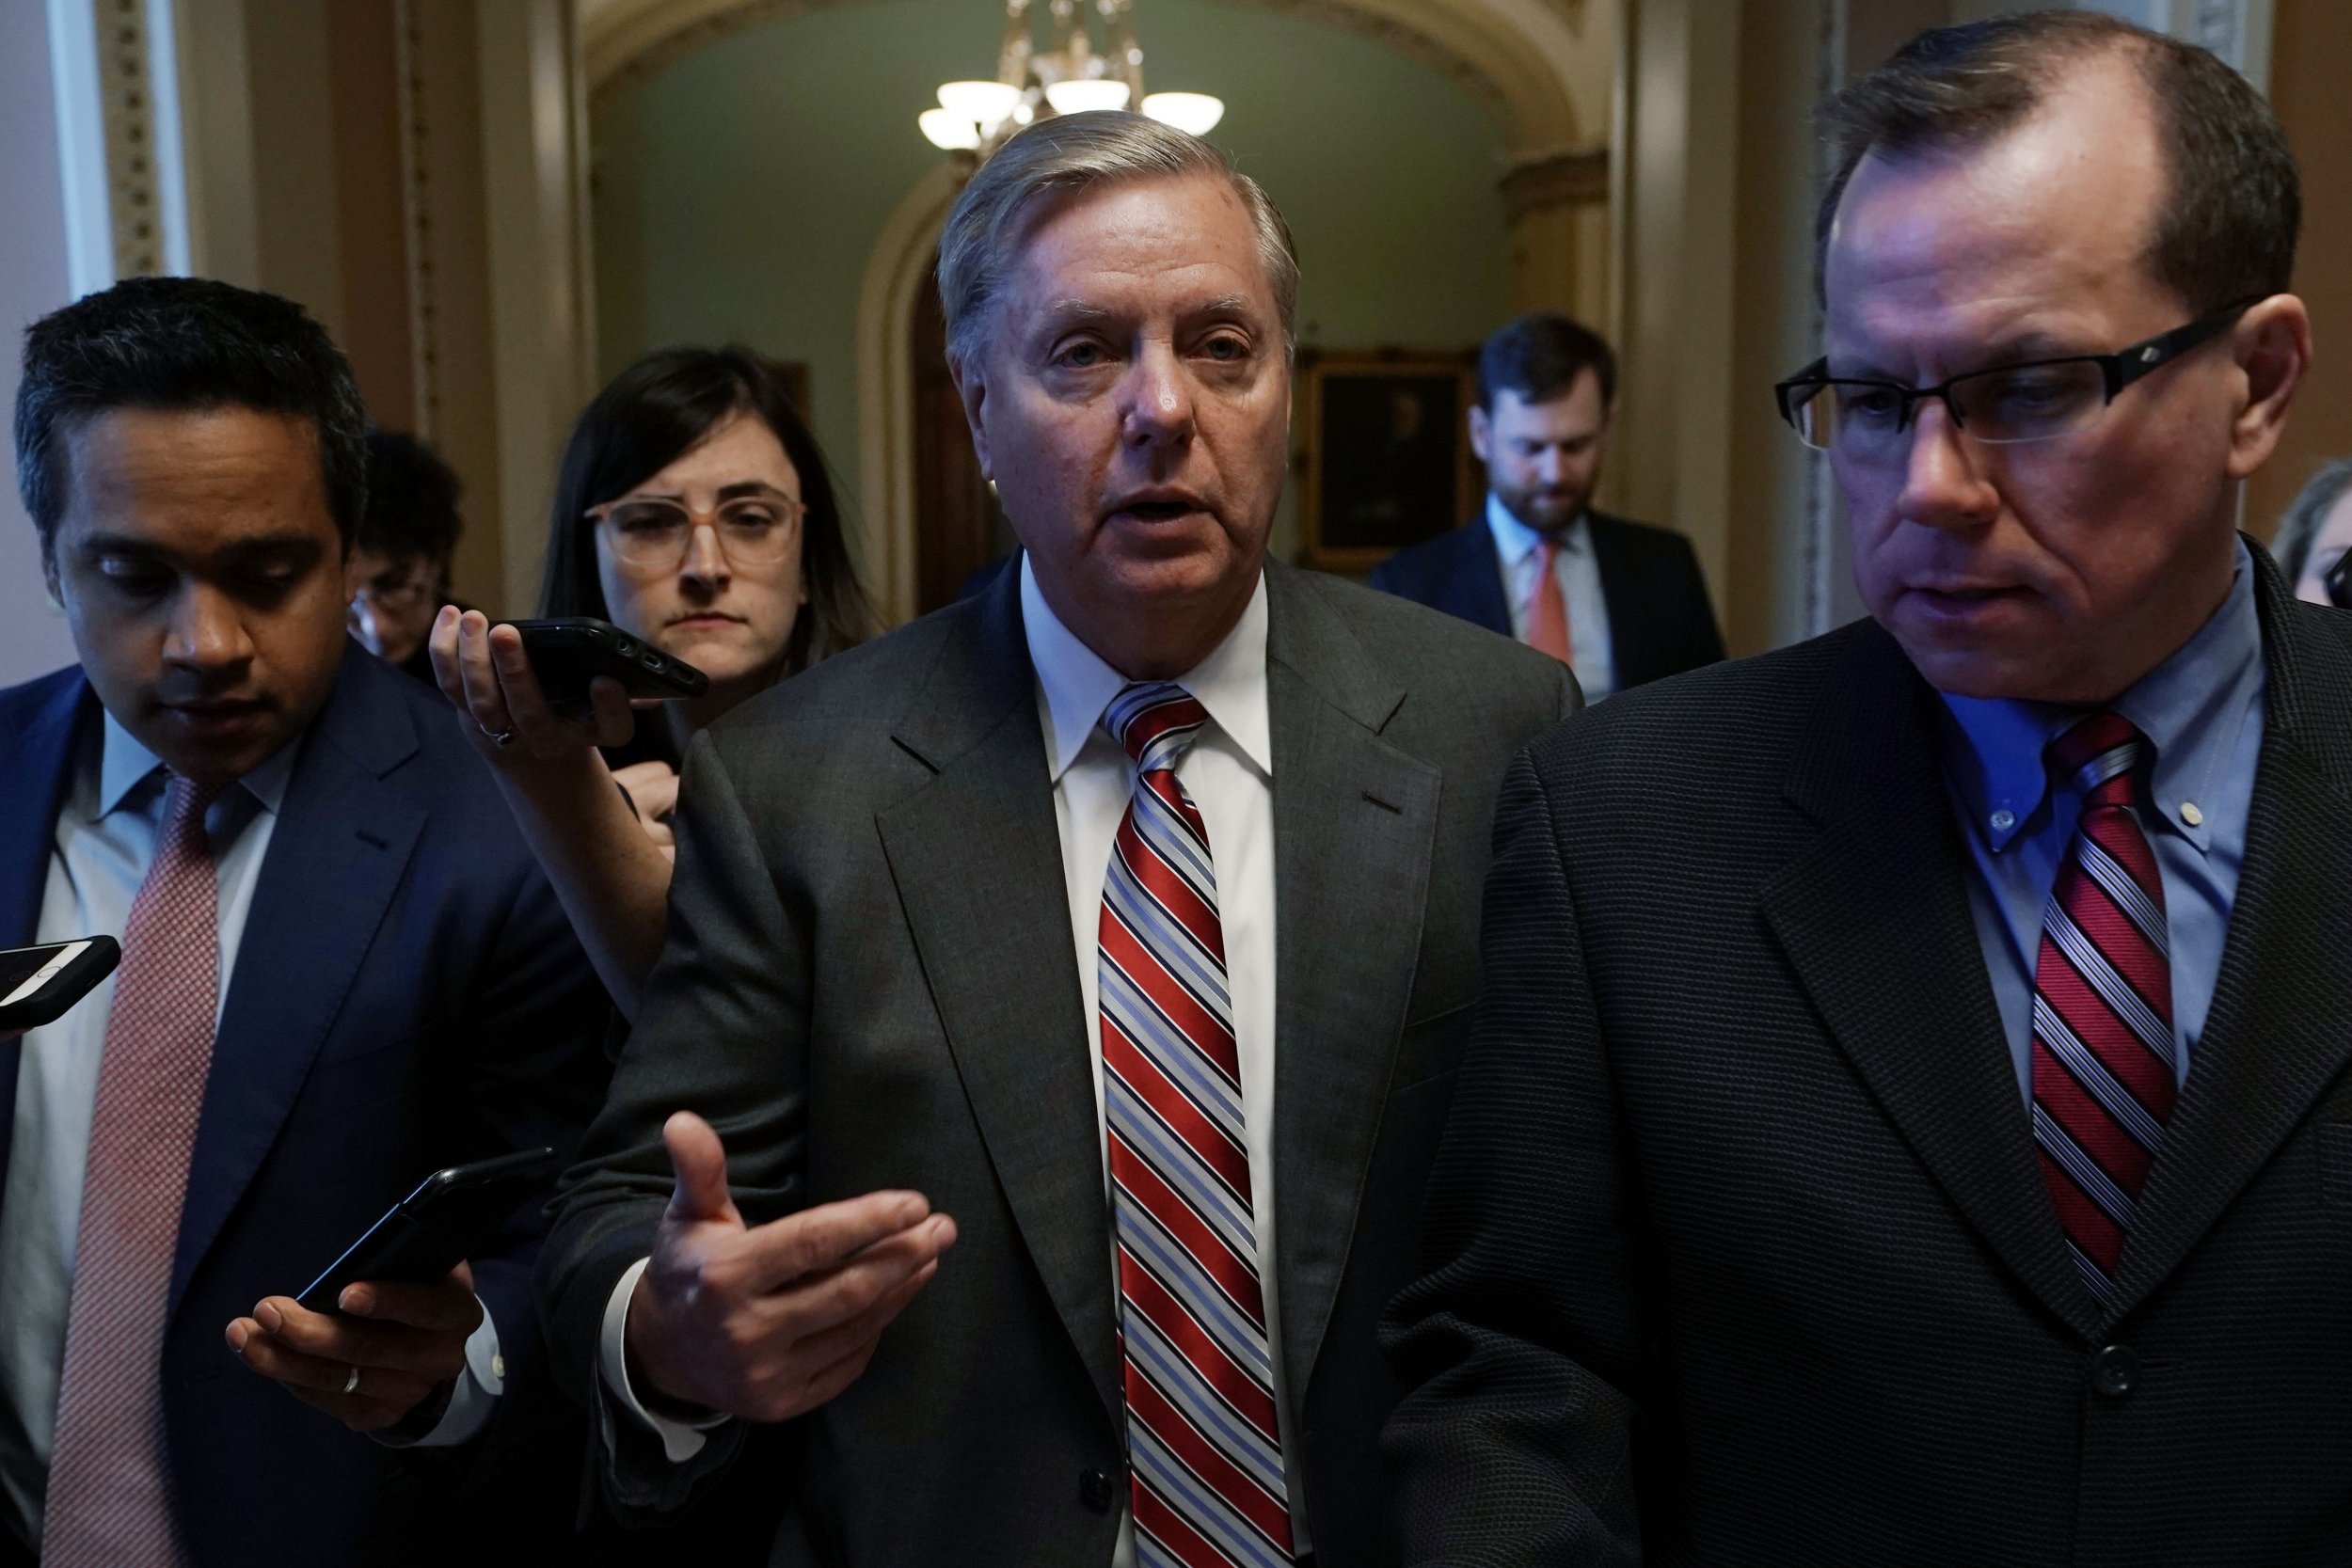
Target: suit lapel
[
  {"x": 1354, "y": 823},
  {"x": 35, "y": 773},
  {"x": 1631, "y": 610},
  {"x": 1478, "y": 580},
  {"x": 1907, "y": 1001},
  {"x": 2275, "y": 1038},
  {"x": 976, "y": 861},
  {"x": 341, "y": 843}
]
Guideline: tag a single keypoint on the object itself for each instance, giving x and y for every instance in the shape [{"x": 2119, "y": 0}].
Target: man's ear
[
  {"x": 2272, "y": 345},
  {"x": 971, "y": 379},
  {"x": 1480, "y": 432},
  {"x": 49, "y": 572}
]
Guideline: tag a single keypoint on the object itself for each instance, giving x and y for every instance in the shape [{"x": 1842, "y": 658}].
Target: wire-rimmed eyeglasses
[{"x": 2030, "y": 402}]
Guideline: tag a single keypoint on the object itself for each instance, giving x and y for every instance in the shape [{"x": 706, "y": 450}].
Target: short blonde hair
[{"x": 1067, "y": 154}]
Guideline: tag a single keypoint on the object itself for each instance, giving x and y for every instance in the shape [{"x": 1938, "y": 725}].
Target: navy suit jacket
[
  {"x": 1659, "y": 620},
  {"x": 407, "y": 994}
]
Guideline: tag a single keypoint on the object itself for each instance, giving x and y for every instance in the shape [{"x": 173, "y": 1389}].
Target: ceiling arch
[{"x": 1544, "y": 65}]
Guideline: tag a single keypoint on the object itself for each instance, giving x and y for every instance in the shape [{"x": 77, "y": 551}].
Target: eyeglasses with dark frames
[{"x": 2035, "y": 401}]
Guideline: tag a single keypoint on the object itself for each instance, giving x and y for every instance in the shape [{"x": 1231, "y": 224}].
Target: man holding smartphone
[{"x": 340, "y": 971}]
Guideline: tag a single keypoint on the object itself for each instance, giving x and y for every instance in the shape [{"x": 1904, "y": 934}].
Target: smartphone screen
[{"x": 25, "y": 970}]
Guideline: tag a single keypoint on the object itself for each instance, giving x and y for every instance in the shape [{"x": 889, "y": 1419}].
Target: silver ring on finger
[
  {"x": 351, "y": 1384},
  {"x": 497, "y": 738}
]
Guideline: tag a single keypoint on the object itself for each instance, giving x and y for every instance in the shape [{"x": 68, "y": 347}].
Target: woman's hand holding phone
[{"x": 483, "y": 672}]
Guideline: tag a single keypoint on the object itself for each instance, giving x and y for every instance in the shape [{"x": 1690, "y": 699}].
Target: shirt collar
[
  {"x": 2192, "y": 708},
  {"x": 1078, "y": 684},
  {"x": 1515, "y": 540},
  {"x": 124, "y": 764}
]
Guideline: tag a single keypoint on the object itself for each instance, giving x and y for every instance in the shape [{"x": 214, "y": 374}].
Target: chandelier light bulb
[
  {"x": 1196, "y": 112},
  {"x": 948, "y": 131},
  {"x": 1074, "y": 98},
  {"x": 985, "y": 104}
]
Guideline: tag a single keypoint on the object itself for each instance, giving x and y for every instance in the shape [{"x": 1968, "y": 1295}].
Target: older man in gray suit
[{"x": 1127, "y": 914}]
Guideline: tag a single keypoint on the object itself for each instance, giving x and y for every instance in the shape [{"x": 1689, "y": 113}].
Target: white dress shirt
[
  {"x": 105, "y": 842},
  {"x": 1229, "y": 771},
  {"x": 1578, "y": 570}
]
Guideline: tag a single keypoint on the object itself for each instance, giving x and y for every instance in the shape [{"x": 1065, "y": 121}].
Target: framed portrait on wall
[{"x": 1386, "y": 459}]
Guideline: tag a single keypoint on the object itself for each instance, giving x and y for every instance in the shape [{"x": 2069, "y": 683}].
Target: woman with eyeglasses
[
  {"x": 693, "y": 511},
  {"x": 2315, "y": 535}
]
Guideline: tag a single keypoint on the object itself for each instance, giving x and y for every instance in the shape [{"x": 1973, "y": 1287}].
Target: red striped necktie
[
  {"x": 2103, "y": 1048},
  {"x": 1204, "y": 1435}
]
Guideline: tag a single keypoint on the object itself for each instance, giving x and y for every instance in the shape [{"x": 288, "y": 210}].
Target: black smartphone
[
  {"x": 2339, "y": 582},
  {"x": 38, "y": 984},
  {"x": 452, "y": 1215},
  {"x": 570, "y": 651}
]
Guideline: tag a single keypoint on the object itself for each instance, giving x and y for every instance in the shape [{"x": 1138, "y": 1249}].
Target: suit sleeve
[
  {"x": 530, "y": 1056},
  {"x": 721, "y": 1032},
  {"x": 1519, "y": 1349}
]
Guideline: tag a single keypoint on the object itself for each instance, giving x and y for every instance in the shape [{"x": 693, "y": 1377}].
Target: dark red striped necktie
[
  {"x": 2103, "y": 1049},
  {"x": 1204, "y": 1453}
]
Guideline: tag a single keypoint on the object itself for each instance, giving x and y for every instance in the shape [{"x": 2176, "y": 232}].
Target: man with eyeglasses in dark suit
[{"x": 1907, "y": 1121}]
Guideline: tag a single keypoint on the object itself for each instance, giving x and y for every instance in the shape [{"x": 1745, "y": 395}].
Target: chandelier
[{"x": 1069, "y": 78}]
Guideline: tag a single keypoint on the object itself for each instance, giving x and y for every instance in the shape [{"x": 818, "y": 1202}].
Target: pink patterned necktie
[
  {"x": 1204, "y": 1453},
  {"x": 109, "y": 1503},
  {"x": 2103, "y": 1070}
]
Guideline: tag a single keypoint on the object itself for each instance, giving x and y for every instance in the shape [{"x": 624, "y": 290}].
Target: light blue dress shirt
[{"x": 2201, "y": 710}]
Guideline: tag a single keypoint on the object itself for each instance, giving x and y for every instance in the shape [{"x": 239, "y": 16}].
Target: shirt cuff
[
  {"x": 473, "y": 1393},
  {"x": 681, "y": 1440}
]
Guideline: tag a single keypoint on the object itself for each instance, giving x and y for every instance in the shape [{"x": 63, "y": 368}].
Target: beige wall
[{"x": 408, "y": 171}]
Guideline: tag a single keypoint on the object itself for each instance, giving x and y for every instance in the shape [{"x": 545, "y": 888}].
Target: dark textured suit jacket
[
  {"x": 870, "y": 983},
  {"x": 408, "y": 994},
  {"x": 1659, "y": 620},
  {"x": 1742, "y": 1250}
]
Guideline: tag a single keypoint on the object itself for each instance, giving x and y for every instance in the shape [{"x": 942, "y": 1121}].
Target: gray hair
[
  {"x": 1067, "y": 154},
  {"x": 2298, "y": 530}
]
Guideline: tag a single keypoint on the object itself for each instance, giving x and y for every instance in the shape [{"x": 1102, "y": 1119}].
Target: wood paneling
[{"x": 2310, "y": 59}]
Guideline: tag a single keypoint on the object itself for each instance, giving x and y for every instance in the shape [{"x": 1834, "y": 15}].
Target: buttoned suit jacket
[
  {"x": 1741, "y": 1250},
  {"x": 408, "y": 995},
  {"x": 869, "y": 982},
  {"x": 1660, "y": 622}
]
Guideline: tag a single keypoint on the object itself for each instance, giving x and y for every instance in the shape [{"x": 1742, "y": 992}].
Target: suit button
[
  {"x": 1094, "y": 1490},
  {"x": 2114, "y": 1371}
]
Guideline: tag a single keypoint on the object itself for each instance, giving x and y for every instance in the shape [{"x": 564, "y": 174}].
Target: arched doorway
[{"x": 1536, "y": 73}]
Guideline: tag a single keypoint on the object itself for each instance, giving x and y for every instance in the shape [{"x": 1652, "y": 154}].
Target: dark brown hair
[
  {"x": 412, "y": 502},
  {"x": 645, "y": 420},
  {"x": 2229, "y": 221},
  {"x": 1538, "y": 358},
  {"x": 184, "y": 343}
]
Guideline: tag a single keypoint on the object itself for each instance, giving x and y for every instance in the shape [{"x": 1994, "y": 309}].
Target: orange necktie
[{"x": 1548, "y": 612}]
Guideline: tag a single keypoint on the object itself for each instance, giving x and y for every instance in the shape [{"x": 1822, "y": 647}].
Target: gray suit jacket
[{"x": 868, "y": 983}]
